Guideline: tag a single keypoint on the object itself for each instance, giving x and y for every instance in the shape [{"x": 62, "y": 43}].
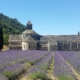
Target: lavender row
[
  {"x": 61, "y": 69},
  {"x": 2, "y": 77},
  {"x": 16, "y": 57},
  {"x": 73, "y": 59},
  {"x": 13, "y": 57},
  {"x": 11, "y": 71},
  {"x": 73, "y": 54},
  {"x": 42, "y": 65}
]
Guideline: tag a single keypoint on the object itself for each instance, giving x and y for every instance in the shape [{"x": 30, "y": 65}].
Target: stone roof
[
  {"x": 15, "y": 38},
  {"x": 67, "y": 38},
  {"x": 53, "y": 43},
  {"x": 28, "y": 32},
  {"x": 29, "y": 23},
  {"x": 28, "y": 38}
]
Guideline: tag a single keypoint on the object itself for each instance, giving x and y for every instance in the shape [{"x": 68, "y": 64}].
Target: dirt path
[
  {"x": 5, "y": 48},
  {"x": 51, "y": 77},
  {"x": 50, "y": 74},
  {"x": 22, "y": 77},
  {"x": 74, "y": 72}
]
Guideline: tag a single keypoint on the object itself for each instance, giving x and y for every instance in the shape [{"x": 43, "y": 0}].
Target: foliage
[
  {"x": 8, "y": 74},
  {"x": 1, "y": 38},
  {"x": 27, "y": 65},
  {"x": 78, "y": 33},
  {"x": 37, "y": 75},
  {"x": 63, "y": 77},
  {"x": 31, "y": 62},
  {"x": 10, "y": 26}
]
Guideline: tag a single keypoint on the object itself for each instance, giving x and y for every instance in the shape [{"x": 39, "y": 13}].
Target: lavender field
[{"x": 35, "y": 65}]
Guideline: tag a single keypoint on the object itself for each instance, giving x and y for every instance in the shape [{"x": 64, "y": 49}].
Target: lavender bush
[
  {"x": 61, "y": 70},
  {"x": 2, "y": 77},
  {"x": 40, "y": 67},
  {"x": 12, "y": 63},
  {"x": 73, "y": 58}
]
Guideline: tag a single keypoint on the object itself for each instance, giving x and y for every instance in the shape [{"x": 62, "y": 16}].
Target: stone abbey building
[{"x": 30, "y": 40}]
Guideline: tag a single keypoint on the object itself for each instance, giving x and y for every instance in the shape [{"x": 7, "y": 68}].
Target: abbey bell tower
[{"x": 29, "y": 25}]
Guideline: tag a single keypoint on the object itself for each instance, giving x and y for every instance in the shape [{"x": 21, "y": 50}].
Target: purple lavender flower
[{"x": 61, "y": 68}]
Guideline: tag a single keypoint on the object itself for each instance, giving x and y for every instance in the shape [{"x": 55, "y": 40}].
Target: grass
[
  {"x": 27, "y": 65},
  {"x": 8, "y": 74},
  {"x": 37, "y": 76},
  {"x": 63, "y": 77},
  {"x": 50, "y": 69}
]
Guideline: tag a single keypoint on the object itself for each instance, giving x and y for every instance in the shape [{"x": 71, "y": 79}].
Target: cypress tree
[{"x": 1, "y": 38}]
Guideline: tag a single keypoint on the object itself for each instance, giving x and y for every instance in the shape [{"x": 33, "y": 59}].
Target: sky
[{"x": 49, "y": 17}]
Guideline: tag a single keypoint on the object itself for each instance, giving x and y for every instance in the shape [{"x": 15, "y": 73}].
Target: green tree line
[{"x": 10, "y": 26}]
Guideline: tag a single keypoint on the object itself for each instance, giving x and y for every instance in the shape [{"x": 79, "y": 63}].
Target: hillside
[{"x": 10, "y": 26}]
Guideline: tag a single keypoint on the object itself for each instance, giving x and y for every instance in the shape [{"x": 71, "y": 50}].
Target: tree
[
  {"x": 1, "y": 38},
  {"x": 10, "y": 26},
  {"x": 78, "y": 33}
]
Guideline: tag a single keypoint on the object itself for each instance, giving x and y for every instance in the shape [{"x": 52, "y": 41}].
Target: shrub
[{"x": 37, "y": 75}]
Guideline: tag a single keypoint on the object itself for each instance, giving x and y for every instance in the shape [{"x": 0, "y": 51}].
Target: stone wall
[
  {"x": 74, "y": 46},
  {"x": 64, "y": 42},
  {"x": 68, "y": 46},
  {"x": 32, "y": 46},
  {"x": 15, "y": 45},
  {"x": 79, "y": 46}
]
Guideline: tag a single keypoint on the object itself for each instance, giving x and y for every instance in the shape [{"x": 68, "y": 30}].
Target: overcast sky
[{"x": 49, "y": 17}]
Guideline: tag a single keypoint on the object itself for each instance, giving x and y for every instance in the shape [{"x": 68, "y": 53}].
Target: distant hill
[{"x": 10, "y": 26}]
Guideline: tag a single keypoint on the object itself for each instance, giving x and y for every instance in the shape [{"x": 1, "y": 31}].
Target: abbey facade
[{"x": 30, "y": 40}]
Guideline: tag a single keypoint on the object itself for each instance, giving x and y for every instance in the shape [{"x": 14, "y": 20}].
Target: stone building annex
[{"x": 30, "y": 40}]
